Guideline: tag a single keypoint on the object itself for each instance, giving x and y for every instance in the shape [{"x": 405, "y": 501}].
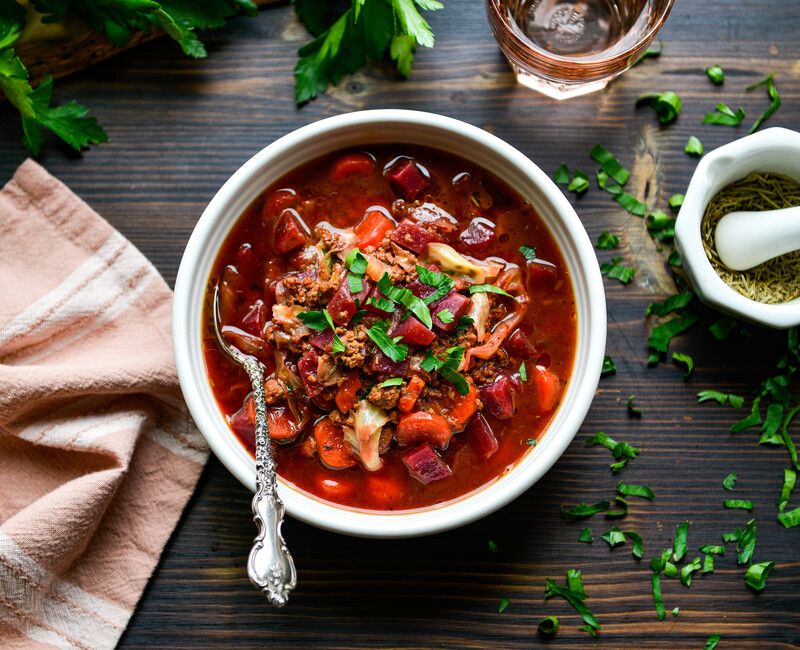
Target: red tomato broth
[{"x": 550, "y": 322}]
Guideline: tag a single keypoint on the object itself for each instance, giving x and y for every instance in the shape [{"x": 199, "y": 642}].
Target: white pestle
[{"x": 747, "y": 239}]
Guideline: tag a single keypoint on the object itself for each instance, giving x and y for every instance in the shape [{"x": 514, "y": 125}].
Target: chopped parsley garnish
[
  {"x": 404, "y": 297},
  {"x": 658, "y": 600},
  {"x": 693, "y": 146},
  {"x": 756, "y": 575},
  {"x": 722, "y": 328},
  {"x": 633, "y": 411},
  {"x": 686, "y": 360},
  {"x": 627, "y": 201},
  {"x": 790, "y": 519},
  {"x": 741, "y": 504},
  {"x": 745, "y": 541},
  {"x": 729, "y": 482},
  {"x": 383, "y": 304},
  {"x": 688, "y": 569},
  {"x": 503, "y": 606},
  {"x": 650, "y": 53},
  {"x": 674, "y": 259},
  {"x": 493, "y": 547},
  {"x": 667, "y": 105},
  {"x": 675, "y": 612},
  {"x": 789, "y": 480},
  {"x": 446, "y": 316},
  {"x": 393, "y": 381},
  {"x": 614, "y": 537},
  {"x": 708, "y": 563},
  {"x": 709, "y": 549},
  {"x": 523, "y": 373},
  {"x": 464, "y": 323},
  {"x": 609, "y": 164},
  {"x": 642, "y": 491},
  {"x": 528, "y": 252},
  {"x": 548, "y": 626},
  {"x": 531, "y": 441},
  {"x": 607, "y": 241},
  {"x": 676, "y": 201},
  {"x": 575, "y": 595},
  {"x": 488, "y": 288},
  {"x": 391, "y": 348},
  {"x": 736, "y": 401},
  {"x": 441, "y": 282},
  {"x": 680, "y": 546},
  {"x": 621, "y": 451},
  {"x": 711, "y": 642},
  {"x": 613, "y": 269},
  {"x": 620, "y": 510},
  {"x": 320, "y": 321},
  {"x": 716, "y": 74},
  {"x": 356, "y": 262},
  {"x": 724, "y": 115},
  {"x": 354, "y": 283},
  {"x": 561, "y": 175},
  {"x": 448, "y": 367},
  {"x": 774, "y": 98},
  {"x": 637, "y": 548},
  {"x": 586, "y": 536},
  {"x": 661, "y": 226},
  {"x": 579, "y": 183},
  {"x": 582, "y": 510},
  {"x": 608, "y": 366},
  {"x": 661, "y": 335}
]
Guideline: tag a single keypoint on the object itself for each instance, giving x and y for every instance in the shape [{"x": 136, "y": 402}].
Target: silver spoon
[{"x": 270, "y": 566}]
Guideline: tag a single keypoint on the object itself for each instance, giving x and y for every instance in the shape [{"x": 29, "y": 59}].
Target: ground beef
[
  {"x": 486, "y": 372},
  {"x": 342, "y": 419},
  {"x": 399, "y": 263},
  {"x": 274, "y": 390},
  {"x": 466, "y": 340},
  {"x": 355, "y": 346},
  {"x": 309, "y": 288},
  {"x": 384, "y": 398}
]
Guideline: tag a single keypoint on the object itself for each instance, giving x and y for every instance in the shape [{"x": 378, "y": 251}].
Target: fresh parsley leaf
[
  {"x": 493, "y": 547},
  {"x": 383, "y": 304},
  {"x": 789, "y": 480},
  {"x": 337, "y": 346},
  {"x": 680, "y": 546},
  {"x": 448, "y": 367},
  {"x": 632, "y": 204},
  {"x": 607, "y": 241},
  {"x": 464, "y": 323},
  {"x": 756, "y": 575},
  {"x": 674, "y": 259},
  {"x": 561, "y": 175},
  {"x": 724, "y": 115},
  {"x": 741, "y": 504},
  {"x": 395, "y": 351},
  {"x": 642, "y": 491},
  {"x": 609, "y": 164},
  {"x": 712, "y": 549},
  {"x": 528, "y": 252},
  {"x": 488, "y": 288},
  {"x": 614, "y": 269},
  {"x": 673, "y": 303},
  {"x": 658, "y": 600},
  {"x": 575, "y": 595},
  {"x": 667, "y": 105},
  {"x": 446, "y": 316},
  {"x": 722, "y": 328},
  {"x": 661, "y": 226},
  {"x": 314, "y": 320},
  {"x": 711, "y": 642},
  {"x": 688, "y": 569},
  {"x": 503, "y": 606},
  {"x": 637, "y": 549},
  {"x": 676, "y": 201},
  {"x": 716, "y": 74},
  {"x": 393, "y": 381},
  {"x": 693, "y": 146},
  {"x": 790, "y": 519},
  {"x": 356, "y": 262},
  {"x": 661, "y": 335},
  {"x": 586, "y": 536},
  {"x": 613, "y": 537},
  {"x": 354, "y": 284},
  {"x": 745, "y": 541},
  {"x": 406, "y": 298},
  {"x": 650, "y": 53},
  {"x": 579, "y": 183},
  {"x": 729, "y": 482},
  {"x": 441, "y": 282},
  {"x": 736, "y": 401},
  {"x": 686, "y": 360},
  {"x": 582, "y": 510},
  {"x": 621, "y": 451},
  {"x": 774, "y": 98},
  {"x": 675, "y": 612},
  {"x": 523, "y": 372},
  {"x": 548, "y": 626},
  {"x": 633, "y": 411},
  {"x": 608, "y": 367}
]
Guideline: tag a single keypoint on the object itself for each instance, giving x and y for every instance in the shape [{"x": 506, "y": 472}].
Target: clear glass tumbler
[{"x": 567, "y": 48}]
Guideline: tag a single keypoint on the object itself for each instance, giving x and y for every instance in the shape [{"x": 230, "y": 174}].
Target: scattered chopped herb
[
  {"x": 673, "y": 303},
  {"x": 774, "y": 98},
  {"x": 674, "y": 259},
  {"x": 321, "y": 320},
  {"x": 670, "y": 570},
  {"x": 404, "y": 297},
  {"x": 493, "y": 548},
  {"x": 614, "y": 537},
  {"x": 620, "y": 510},
  {"x": 790, "y": 519},
  {"x": 789, "y": 480},
  {"x": 661, "y": 335},
  {"x": 488, "y": 288},
  {"x": 503, "y": 606},
  {"x": 711, "y": 642},
  {"x": 736, "y": 401},
  {"x": 548, "y": 626},
  {"x": 756, "y": 575},
  {"x": 676, "y": 201},
  {"x": 659, "y": 563},
  {"x": 531, "y": 441},
  {"x": 609, "y": 164},
  {"x": 638, "y": 546},
  {"x": 688, "y": 569},
  {"x": 769, "y": 428},
  {"x": 354, "y": 283},
  {"x": 358, "y": 316},
  {"x": 605, "y": 182},
  {"x": 724, "y": 115},
  {"x": 661, "y": 226},
  {"x": 632, "y": 204},
  {"x": 745, "y": 541},
  {"x": 680, "y": 546},
  {"x": 722, "y": 328},
  {"x": 356, "y": 262},
  {"x": 446, "y": 316},
  {"x": 686, "y": 360},
  {"x": 633, "y": 411},
  {"x": 675, "y": 612},
  {"x": 716, "y": 74},
  {"x": 693, "y": 146},
  {"x": 607, "y": 241},
  {"x": 667, "y": 105},
  {"x": 448, "y": 367},
  {"x": 464, "y": 323},
  {"x": 586, "y": 536},
  {"x": 383, "y": 304},
  {"x": 658, "y": 600},
  {"x": 729, "y": 481},
  {"x": 575, "y": 595},
  {"x": 337, "y": 346},
  {"x": 614, "y": 269},
  {"x": 628, "y": 490},
  {"x": 393, "y": 381},
  {"x": 708, "y": 563},
  {"x": 742, "y": 504},
  {"x": 561, "y": 175},
  {"x": 523, "y": 373},
  {"x": 650, "y": 53},
  {"x": 621, "y": 451},
  {"x": 712, "y": 549},
  {"x": 378, "y": 333},
  {"x": 528, "y": 252},
  {"x": 582, "y": 510},
  {"x": 443, "y": 283},
  {"x": 608, "y": 366},
  {"x": 579, "y": 183}
]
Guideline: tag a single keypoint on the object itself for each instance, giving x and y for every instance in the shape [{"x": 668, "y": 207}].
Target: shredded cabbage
[{"x": 366, "y": 436}]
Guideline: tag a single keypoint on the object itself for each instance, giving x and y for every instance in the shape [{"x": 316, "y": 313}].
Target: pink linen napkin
[{"x": 98, "y": 455}]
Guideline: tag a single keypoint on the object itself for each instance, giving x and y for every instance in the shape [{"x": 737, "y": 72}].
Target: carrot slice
[
  {"x": 412, "y": 390},
  {"x": 423, "y": 426},
  {"x": 353, "y": 164},
  {"x": 548, "y": 388},
  {"x": 281, "y": 423},
  {"x": 373, "y": 228},
  {"x": 458, "y": 409},
  {"x": 334, "y": 452},
  {"x": 348, "y": 389}
]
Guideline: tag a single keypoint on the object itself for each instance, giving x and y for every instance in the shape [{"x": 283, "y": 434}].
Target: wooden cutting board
[{"x": 69, "y": 48}]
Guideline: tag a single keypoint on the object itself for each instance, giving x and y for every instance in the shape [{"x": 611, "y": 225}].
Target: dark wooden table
[{"x": 179, "y": 128}]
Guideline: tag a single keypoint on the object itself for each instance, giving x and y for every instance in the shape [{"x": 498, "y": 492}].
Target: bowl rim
[
  {"x": 688, "y": 239},
  {"x": 489, "y": 497}
]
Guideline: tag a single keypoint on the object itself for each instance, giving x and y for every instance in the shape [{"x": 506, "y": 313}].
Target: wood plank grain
[{"x": 179, "y": 128}]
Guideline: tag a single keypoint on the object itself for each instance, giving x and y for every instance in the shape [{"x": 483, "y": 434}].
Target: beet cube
[
  {"x": 518, "y": 345},
  {"x": 456, "y": 303},
  {"x": 481, "y": 437},
  {"x": 413, "y": 237},
  {"x": 499, "y": 397},
  {"x": 289, "y": 233},
  {"x": 408, "y": 178},
  {"x": 477, "y": 237},
  {"x": 341, "y": 306},
  {"x": 425, "y": 465},
  {"x": 413, "y": 332}
]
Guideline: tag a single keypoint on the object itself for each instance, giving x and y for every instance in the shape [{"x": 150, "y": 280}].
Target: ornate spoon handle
[{"x": 270, "y": 566}]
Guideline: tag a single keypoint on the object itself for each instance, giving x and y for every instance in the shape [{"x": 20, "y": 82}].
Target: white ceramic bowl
[
  {"x": 388, "y": 126},
  {"x": 772, "y": 150}
]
